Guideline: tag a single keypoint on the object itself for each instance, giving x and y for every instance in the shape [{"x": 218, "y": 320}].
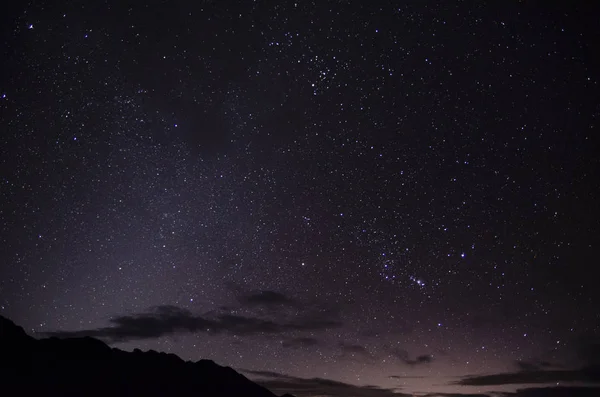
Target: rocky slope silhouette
[{"x": 88, "y": 367}]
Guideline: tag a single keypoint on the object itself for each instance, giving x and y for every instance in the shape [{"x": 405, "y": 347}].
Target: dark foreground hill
[{"x": 88, "y": 367}]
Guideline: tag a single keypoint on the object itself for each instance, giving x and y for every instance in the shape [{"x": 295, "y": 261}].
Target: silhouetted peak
[
  {"x": 10, "y": 332},
  {"x": 161, "y": 358},
  {"x": 76, "y": 346},
  {"x": 211, "y": 366},
  {"x": 87, "y": 366},
  {"x": 208, "y": 363}
]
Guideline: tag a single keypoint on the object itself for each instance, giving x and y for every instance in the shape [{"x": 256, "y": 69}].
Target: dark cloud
[
  {"x": 557, "y": 391},
  {"x": 303, "y": 387},
  {"x": 526, "y": 366},
  {"x": 295, "y": 343},
  {"x": 265, "y": 374},
  {"x": 422, "y": 359},
  {"x": 308, "y": 315},
  {"x": 534, "y": 365},
  {"x": 349, "y": 348},
  {"x": 532, "y": 376},
  {"x": 163, "y": 320},
  {"x": 554, "y": 391},
  {"x": 453, "y": 395},
  {"x": 403, "y": 356},
  {"x": 538, "y": 371},
  {"x": 168, "y": 320}
]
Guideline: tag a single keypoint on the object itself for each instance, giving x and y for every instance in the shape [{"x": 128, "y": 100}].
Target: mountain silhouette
[{"x": 88, "y": 367}]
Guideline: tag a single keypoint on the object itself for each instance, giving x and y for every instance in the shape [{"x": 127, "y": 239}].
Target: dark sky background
[{"x": 339, "y": 198}]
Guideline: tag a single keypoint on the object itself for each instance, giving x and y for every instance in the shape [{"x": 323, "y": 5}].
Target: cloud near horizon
[
  {"x": 168, "y": 320},
  {"x": 306, "y": 387},
  {"x": 404, "y": 357},
  {"x": 354, "y": 349},
  {"x": 555, "y": 391},
  {"x": 585, "y": 375},
  {"x": 540, "y": 372}
]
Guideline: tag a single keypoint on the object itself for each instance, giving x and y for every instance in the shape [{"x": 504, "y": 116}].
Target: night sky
[{"x": 339, "y": 198}]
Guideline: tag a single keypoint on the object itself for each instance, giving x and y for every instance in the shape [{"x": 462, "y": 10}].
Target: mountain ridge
[{"x": 89, "y": 367}]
